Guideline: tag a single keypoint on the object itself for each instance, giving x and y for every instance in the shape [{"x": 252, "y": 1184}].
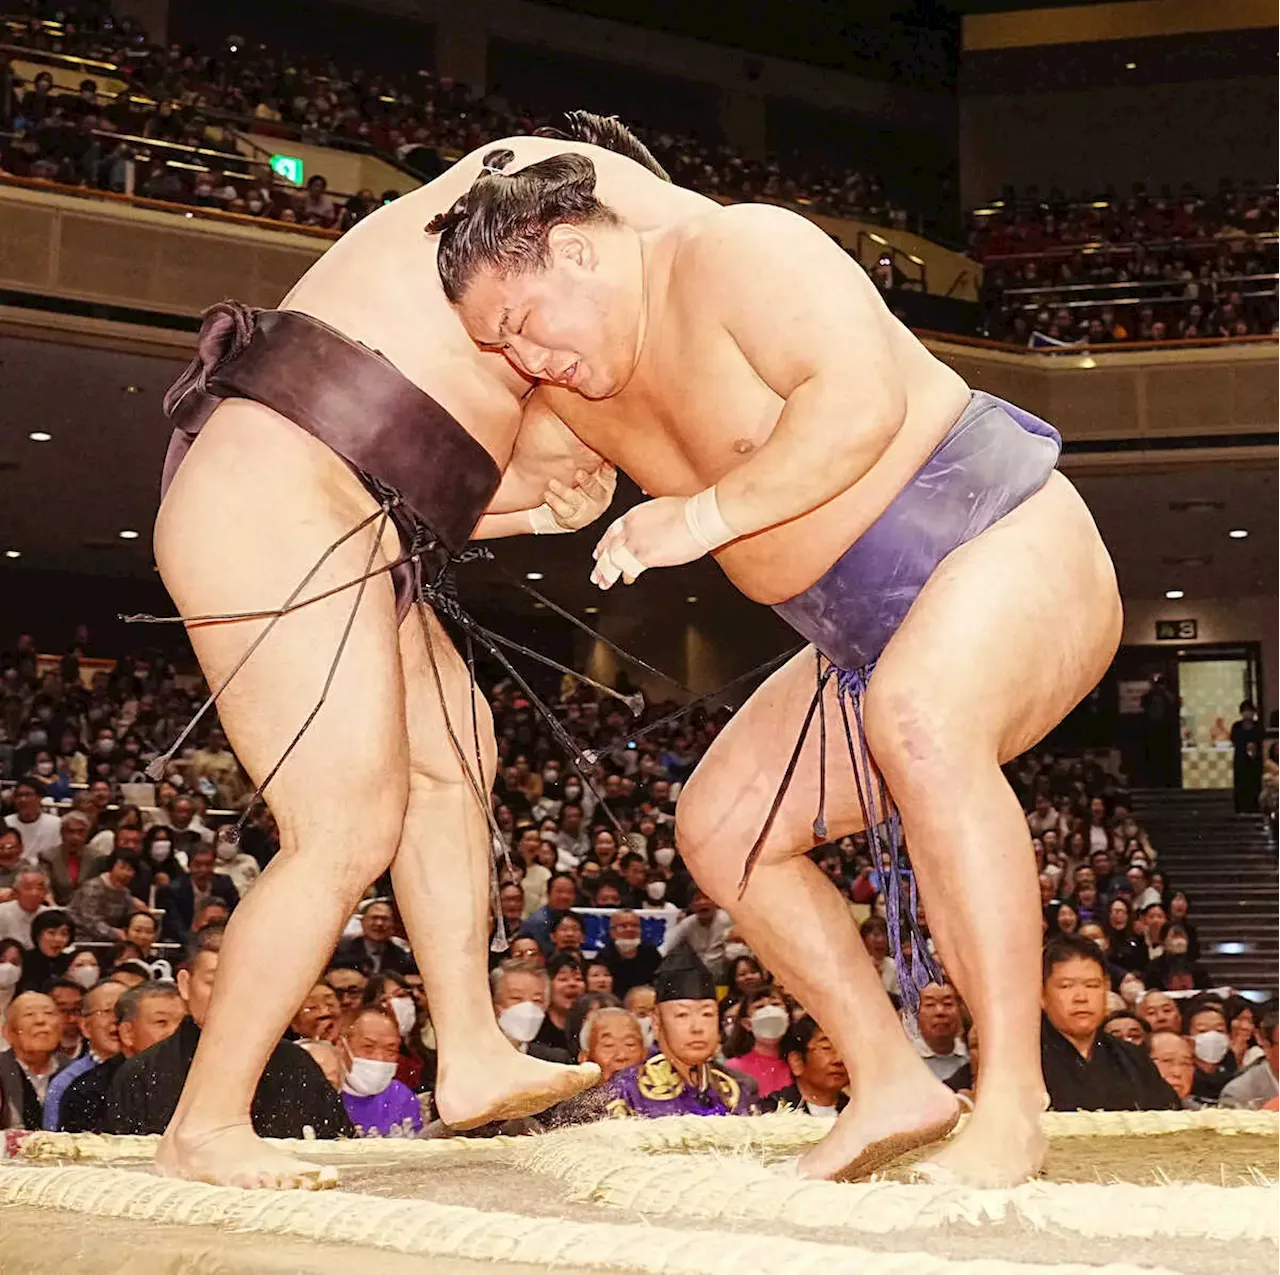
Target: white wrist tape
[
  {"x": 542, "y": 522},
  {"x": 615, "y": 562},
  {"x": 705, "y": 521}
]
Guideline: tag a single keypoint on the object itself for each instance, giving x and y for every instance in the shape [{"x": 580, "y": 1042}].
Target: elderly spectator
[
  {"x": 140, "y": 1017},
  {"x": 11, "y": 861},
  {"x": 1126, "y": 1025},
  {"x": 819, "y": 1075},
  {"x": 182, "y": 900},
  {"x": 375, "y": 1101},
  {"x": 1160, "y": 1012},
  {"x": 317, "y": 1019},
  {"x": 30, "y": 890},
  {"x": 1175, "y": 1060},
  {"x": 1255, "y": 1085},
  {"x": 613, "y": 1040},
  {"x": 1205, "y": 1024},
  {"x": 48, "y": 959},
  {"x": 941, "y": 1039},
  {"x": 682, "y": 1079},
  {"x": 374, "y": 949},
  {"x": 292, "y": 1093},
  {"x": 187, "y": 828},
  {"x": 100, "y": 909},
  {"x": 1085, "y": 1068},
  {"x": 562, "y": 894},
  {"x": 40, "y": 830},
  {"x": 754, "y": 1045},
  {"x": 521, "y": 993},
  {"x": 102, "y": 1042},
  {"x": 630, "y": 960},
  {"x": 33, "y": 1028},
  {"x": 65, "y": 861},
  {"x": 511, "y": 910},
  {"x": 703, "y": 933}
]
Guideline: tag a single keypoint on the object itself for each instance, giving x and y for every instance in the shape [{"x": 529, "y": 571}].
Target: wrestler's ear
[{"x": 570, "y": 244}]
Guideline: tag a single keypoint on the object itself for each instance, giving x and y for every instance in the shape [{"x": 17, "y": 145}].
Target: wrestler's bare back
[
  {"x": 379, "y": 285},
  {"x": 695, "y": 408}
]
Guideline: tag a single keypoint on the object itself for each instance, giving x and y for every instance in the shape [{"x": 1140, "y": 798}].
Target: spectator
[
  {"x": 1179, "y": 906},
  {"x": 875, "y": 938},
  {"x": 51, "y": 934},
  {"x": 1126, "y": 1025},
  {"x": 562, "y": 894},
  {"x": 11, "y": 963},
  {"x": 11, "y": 861},
  {"x": 703, "y": 933},
  {"x": 69, "y": 998},
  {"x": 1175, "y": 1061},
  {"x": 1086, "y": 1068},
  {"x": 760, "y": 1022},
  {"x": 1205, "y": 1022},
  {"x": 64, "y": 863},
  {"x": 33, "y": 1028},
  {"x": 521, "y": 993},
  {"x": 348, "y": 986},
  {"x": 1125, "y": 948},
  {"x": 184, "y": 898},
  {"x": 291, "y": 1094},
  {"x": 213, "y": 769},
  {"x": 630, "y": 960},
  {"x": 316, "y": 208},
  {"x": 511, "y": 910},
  {"x": 745, "y": 975},
  {"x": 375, "y": 1101},
  {"x": 30, "y": 890},
  {"x": 84, "y": 969},
  {"x": 141, "y": 932},
  {"x": 102, "y": 1041},
  {"x": 568, "y": 982},
  {"x": 374, "y": 949},
  {"x": 682, "y": 1079},
  {"x": 639, "y": 1002},
  {"x": 820, "y": 1077},
  {"x": 567, "y": 934},
  {"x": 100, "y": 909},
  {"x": 141, "y": 1016},
  {"x": 1255, "y": 1085},
  {"x": 613, "y": 1040},
  {"x": 941, "y": 1039},
  {"x": 317, "y": 1019},
  {"x": 40, "y": 830},
  {"x": 599, "y": 977},
  {"x": 1246, "y": 763},
  {"x": 235, "y": 863}
]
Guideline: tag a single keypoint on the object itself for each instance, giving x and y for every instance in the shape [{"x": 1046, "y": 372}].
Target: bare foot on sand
[
  {"x": 879, "y": 1126},
  {"x": 235, "y": 1156},
  {"x": 506, "y": 1085},
  {"x": 1000, "y": 1146}
]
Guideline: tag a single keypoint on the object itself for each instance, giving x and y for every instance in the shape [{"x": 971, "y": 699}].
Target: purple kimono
[
  {"x": 654, "y": 1088},
  {"x": 393, "y": 1113}
]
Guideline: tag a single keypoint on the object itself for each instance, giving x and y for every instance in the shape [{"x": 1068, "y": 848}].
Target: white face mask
[
  {"x": 656, "y": 890},
  {"x": 226, "y": 850},
  {"x": 769, "y": 1022},
  {"x": 628, "y": 947},
  {"x": 85, "y": 975},
  {"x": 522, "y": 1021},
  {"x": 734, "y": 950},
  {"x": 161, "y": 850},
  {"x": 1211, "y": 1047},
  {"x": 368, "y": 1076},
  {"x": 665, "y": 856},
  {"x": 44, "y": 768},
  {"x": 9, "y": 974},
  {"x": 646, "y": 1030},
  {"x": 406, "y": 1013}
]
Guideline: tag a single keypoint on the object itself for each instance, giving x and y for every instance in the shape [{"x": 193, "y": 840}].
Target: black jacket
[
  {"x": 1117, "y": 1077},
  {"x": 178, "y": 899},
  {"x": 292, "y": 1093},
  {"x": 792, "y": 1097},
  {"x": 84, "y": 1105},
  {"x": 395, "y": 959},
  {"x": 633, "y": 971},
  {"x": 20, "y": 1108}
]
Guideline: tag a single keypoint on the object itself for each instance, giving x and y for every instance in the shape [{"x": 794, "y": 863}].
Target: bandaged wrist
[
  {"x": 542, "y": 522},
  {"x": 705, "y": 522}
]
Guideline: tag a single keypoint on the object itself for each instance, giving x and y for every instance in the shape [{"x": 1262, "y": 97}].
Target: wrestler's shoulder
[{"x": 720, "y": 240}]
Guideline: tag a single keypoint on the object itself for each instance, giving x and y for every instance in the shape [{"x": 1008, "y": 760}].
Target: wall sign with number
[{"x": 1176, "y": 630}]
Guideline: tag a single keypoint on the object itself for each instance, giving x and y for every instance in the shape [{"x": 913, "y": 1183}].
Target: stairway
[{"x": 1227, "y": 865}]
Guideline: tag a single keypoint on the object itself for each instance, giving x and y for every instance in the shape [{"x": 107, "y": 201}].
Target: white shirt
[
  {"x": 704, "y": 941},
  {"x": 40, "y": 838},
  {"x": 15, "y": 923}
]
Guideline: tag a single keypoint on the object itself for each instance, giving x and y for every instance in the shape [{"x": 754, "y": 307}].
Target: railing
[
  {"x": 1111, "y": 348},
  {"x": 1095, "y": 247}
]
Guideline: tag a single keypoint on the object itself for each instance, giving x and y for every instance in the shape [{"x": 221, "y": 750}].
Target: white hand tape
[
  {"x": 542, "y": 522},
  {"x": 705, "y": 522},
  {"x": 630, "y": 564},
  {"x": 615, "y": 562}
]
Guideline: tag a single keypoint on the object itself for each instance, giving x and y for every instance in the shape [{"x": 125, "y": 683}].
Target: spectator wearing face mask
[
  {"x": 375, "y": 1101},
  {"x": 754, "y": 1044},
  {"x": 639, "y": 1003},
  {"x": 235, "y": 863},
  {"x": 1205, "y": 1023},
  {"x": 630, "y": 960},
  {"x": 819, "y": 1075},
  {"x": 521, "y": 992}
]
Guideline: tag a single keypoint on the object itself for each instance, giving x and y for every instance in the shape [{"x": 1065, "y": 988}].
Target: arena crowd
[{"x": 111, "y": 920}]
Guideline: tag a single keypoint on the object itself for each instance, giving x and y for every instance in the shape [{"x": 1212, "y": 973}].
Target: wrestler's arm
[
  {"x": 812, "y": 327},
  {"x": 553, "y": 483}
]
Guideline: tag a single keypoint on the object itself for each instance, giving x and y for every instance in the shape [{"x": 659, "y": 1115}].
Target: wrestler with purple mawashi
[{"x": 742, "y": 368}]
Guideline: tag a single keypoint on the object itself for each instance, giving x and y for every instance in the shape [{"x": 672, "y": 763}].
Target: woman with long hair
[
  {"x": 753, "y": 1046},
  {"x": 1127, "y": 949}
]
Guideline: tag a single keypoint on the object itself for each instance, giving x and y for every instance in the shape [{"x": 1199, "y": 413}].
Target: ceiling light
[
  {"x": 128, "y": 535},
  {"x": 1173, "y": 594},
  {"x": 39, "y": 436},
  {"x": 533, "y": 575},
  {"x": 592, "y": 610},
  {"x": 1130, "y": 66},
  {"x": 1239, "y": 533},
  {"x": 692, "y": 598},
  {"x": 12, "y": 553},
  {"x": 133, "y": 389}
]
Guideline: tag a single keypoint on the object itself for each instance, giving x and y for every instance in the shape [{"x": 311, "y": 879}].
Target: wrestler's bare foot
[
  {"x": 505, "y": 1085},
  {"x": 233, "y": 1155},
  {"x": 881, "y": 1125},
  {"x": 999, "y": 1146}
]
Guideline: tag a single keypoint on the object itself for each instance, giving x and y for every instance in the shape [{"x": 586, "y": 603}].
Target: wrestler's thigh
[
  {"x": 251, "y": 511},
  {"x": 434, "y": 708},
  {"x": 1009, "y": 634},
  {"x": 726, "y": 801}
]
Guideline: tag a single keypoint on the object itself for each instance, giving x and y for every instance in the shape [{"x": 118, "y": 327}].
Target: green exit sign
[{"x": 287, "y": 166}]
